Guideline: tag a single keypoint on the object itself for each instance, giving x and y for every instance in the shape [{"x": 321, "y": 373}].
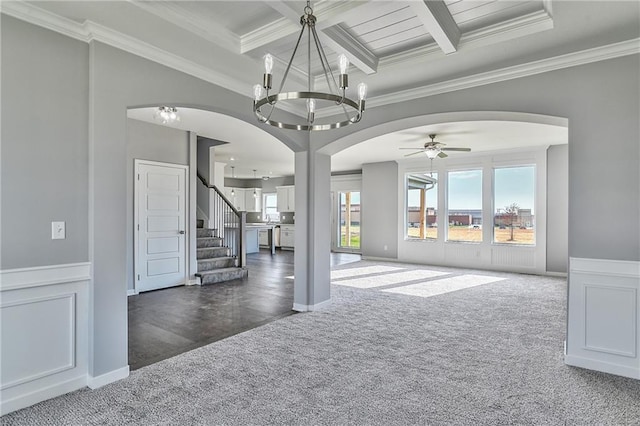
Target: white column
[
  {"x": 312, "y": 231},
  {"x": 193, "y": 190}
]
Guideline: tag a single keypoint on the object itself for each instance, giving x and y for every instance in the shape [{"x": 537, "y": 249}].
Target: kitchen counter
[{"x": 252, "y": 230}]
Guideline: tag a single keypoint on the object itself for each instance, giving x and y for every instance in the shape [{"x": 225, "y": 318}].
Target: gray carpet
[{"x": 489, "y": 354}]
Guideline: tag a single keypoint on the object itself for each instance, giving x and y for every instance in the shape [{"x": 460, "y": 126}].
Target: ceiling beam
[
  {"x": 328, "y": 14},
  {"x": 438, "y": 22},
  {"x": 340, "y": 41}
]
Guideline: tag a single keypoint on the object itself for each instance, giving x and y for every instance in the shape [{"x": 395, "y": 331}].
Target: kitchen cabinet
[
  {"x": 287, "y": 237},
  {"x": 286, "y": 198},
  {"x": 251, "y": 203},
  {"x": 263, "y": 237},
  {"x": 243, "y": 199}
]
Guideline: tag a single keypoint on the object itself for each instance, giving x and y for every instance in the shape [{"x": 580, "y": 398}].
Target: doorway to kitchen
[{"x": 347, "y": 213}]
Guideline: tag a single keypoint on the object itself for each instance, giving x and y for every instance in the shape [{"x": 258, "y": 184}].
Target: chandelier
[
  {"x": 166, "y": 115},
  {"x": 336, "y": 90}
]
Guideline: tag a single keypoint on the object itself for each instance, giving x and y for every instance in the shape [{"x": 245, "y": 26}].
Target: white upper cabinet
[
  {"x": 243, "y": 199},
  {"x": 286, "y": 198},
  {"x": 253, "y": 199}
]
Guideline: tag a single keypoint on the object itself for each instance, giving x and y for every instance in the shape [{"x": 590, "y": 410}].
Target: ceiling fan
[{"x": 435, "y": 149}]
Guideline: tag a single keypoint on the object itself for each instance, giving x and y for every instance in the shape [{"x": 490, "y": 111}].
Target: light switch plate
[{"x": 58, "y": 231}]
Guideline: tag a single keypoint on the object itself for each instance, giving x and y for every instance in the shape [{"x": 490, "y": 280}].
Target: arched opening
[
  {"x": 399, "y": 225},
  {"x": 238, "y": 158}
]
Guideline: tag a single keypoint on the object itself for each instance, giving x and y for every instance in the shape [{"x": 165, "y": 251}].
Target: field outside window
[
  {"x": 514, "y": 215},
  {"x": 465, "y": 206},
  {"x": 422, "y": 207}
]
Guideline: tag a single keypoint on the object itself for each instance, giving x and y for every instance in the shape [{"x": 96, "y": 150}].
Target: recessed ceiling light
[{"x": 232, "y": 159}]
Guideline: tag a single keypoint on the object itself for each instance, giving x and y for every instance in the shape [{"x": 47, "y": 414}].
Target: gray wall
[
  {"x": 44, "y": 170},
  {"x": 557, "y": 208},
  {"x": 379, "y": 198},
  {"x": 79, "y": 157},
  {"x": 153, "y": 142},
  {"x": 121, "y": 80},
  {"x": 600, "y": 101},
  {"x": 42, "y": 70}
]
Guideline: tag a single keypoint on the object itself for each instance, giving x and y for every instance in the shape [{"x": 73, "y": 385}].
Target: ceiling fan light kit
[
  {"x": 435, "y": 149},
  {"x": 336, "y": 94}
]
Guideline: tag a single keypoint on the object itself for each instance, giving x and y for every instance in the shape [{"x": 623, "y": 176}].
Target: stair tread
[
  {"x": 219, "y": 270},
  {"x": 209, "y": 259}
]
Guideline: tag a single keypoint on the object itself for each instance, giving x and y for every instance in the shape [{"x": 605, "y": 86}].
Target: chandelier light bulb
[
  {"x": 362, "y": 91},
  {"x": 166, "y": 115},
  {"x": 311, "y": 106},
  {"x": 268, "y": 63},
  {"x": 257, "y": 92},
  {"x": 343, "y": 63}
]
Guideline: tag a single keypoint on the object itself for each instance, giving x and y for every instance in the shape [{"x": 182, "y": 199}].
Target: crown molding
[
  {"x": 521, "y": 26},
  {"x": 148, "y": 51},
  {"x": 178, "y": 15},
  {"x": 90, "y": 31},
  {"x": 266, "y": 34},
  {"x": 45, "y": 19},
  {"x": 602, "y": 53}
]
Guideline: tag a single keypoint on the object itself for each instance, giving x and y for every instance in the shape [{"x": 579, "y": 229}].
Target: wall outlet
[
  {"x": 58, "y": 231},
  {"x": 385, "y": 247}
]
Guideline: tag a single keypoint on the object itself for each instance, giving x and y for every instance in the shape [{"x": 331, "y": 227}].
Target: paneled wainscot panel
[
  {"x": 44, "y": 316},
  {"x": 602, "y": 332}
]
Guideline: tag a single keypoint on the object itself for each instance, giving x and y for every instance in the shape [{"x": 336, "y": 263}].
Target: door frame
[
  {"x": 187, "y": 215},
  {"x": 335, "y": 223}
]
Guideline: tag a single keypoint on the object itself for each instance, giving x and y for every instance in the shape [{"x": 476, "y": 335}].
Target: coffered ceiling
[{"x": 401, "y": 49}]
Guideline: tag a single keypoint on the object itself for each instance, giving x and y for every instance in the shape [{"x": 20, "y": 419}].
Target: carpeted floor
[{"x": 466, "y": 354}]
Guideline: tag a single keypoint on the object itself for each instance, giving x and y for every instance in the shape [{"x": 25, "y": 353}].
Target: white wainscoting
[
  {"x": 496, "y": 257},
  {"x": 44, "y": 316},
  {"x": 603, "y": 330}
]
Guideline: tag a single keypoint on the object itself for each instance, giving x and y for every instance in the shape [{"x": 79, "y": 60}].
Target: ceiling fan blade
[
  {"x": 442, "y": 155},
  {"x": 456, "y": 149},
  {"x": 413, "y": 153},
  {"x": 412, "y": 148}
]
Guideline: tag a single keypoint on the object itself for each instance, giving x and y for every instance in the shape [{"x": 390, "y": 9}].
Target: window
[
  {"x": 349, "y": 219},
  {"x": 422, "y": 206},
  {"x": 465, "y": 206},
  {"x": 514, "y": 214},
  {"x": 270, "y": 207}
]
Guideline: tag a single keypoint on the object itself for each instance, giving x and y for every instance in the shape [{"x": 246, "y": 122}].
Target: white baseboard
[
  {"x": 556, "y": 274},
  {"x": 42, "y": 394},
  {"x": 309, "y": 308},
  {"x": 195, "y": 281},
  {"x": 131, "y": 292},
  {"x": 110, "y": 377},
  {"x": 382, "y": 259}
]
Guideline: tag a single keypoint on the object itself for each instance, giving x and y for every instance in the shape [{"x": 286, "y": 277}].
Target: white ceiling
[{"x": 405, "y": 48}]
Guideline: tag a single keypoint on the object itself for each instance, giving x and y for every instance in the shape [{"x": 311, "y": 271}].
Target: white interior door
[{"x": 160, "y": 225}]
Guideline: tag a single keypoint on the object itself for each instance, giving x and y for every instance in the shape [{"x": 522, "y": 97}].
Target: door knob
[{"x": 180, "y": 232}]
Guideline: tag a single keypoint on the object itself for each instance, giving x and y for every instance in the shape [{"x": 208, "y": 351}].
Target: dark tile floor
[{"x": 165, "y": 323}]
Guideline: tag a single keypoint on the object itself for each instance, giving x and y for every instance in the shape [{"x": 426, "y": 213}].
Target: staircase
[{"x": 215, "y": 264}]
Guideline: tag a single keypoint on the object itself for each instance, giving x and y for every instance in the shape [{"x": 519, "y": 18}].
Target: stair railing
[{"x": 229, "y": 223}]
